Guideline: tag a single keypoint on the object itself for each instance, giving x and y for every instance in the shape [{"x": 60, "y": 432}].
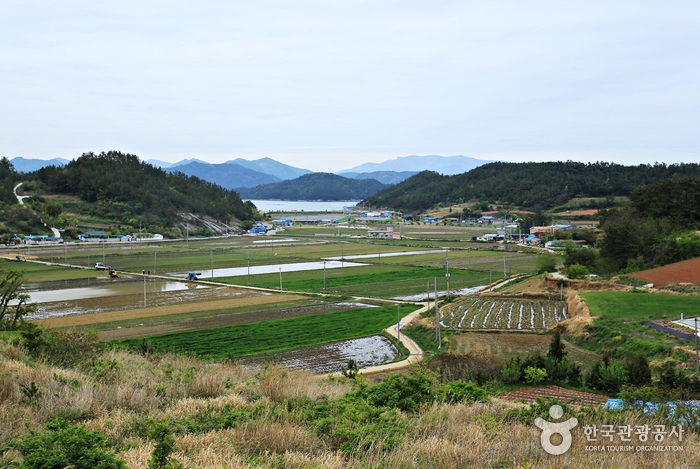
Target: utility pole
[
  {"x": 398, "y": 322},
  {"x": 280, "y": 278},
  {"x": 144, "y": 291},
  {"x": 437, "y": 318},
  {"x": 447, "y": 272},
  {"x": 211, "y": 256},
  {"x": 324, "y": 276},
  {"x": 428, "y": 290},
  {"x": 248, "y": 269},
  {"x": 504, "y": 267},
  {"x": 697, "y": 361},
  {"x": 155, "y": 258}
]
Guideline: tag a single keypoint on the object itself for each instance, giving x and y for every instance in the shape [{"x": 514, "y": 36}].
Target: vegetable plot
[{"x": 502, "y": 313}]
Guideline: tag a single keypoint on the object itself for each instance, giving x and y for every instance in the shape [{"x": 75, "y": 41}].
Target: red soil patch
[
  {"x": 680, "y": 272},
  {"x": 573, "y": 213},
  {"x": 531, "y": 394}
]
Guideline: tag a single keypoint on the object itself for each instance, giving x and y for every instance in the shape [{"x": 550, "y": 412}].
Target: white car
[{"x": 101, "y": 266}]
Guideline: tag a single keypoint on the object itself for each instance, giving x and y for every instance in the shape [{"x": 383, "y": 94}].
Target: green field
[
  {"x": 620, "y": 331},
  {"x": 373, "y": 280},
  {"x": 640, "y": 305},
  {"x": 278, "y": 335}
]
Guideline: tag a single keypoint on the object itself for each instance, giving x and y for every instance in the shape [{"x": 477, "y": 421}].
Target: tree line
[
  {"x": 315, "y": 186},
  {"x": 129, "y": 190},
  {"x": 530, "y": 185},
  {"x": 658, "y": 227}
]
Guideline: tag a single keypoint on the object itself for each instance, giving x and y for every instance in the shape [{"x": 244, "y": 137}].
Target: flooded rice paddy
[
  {"x": 366, "y": 351},
  {"x": 387, "y": 254},
  {"x": 431, "y": 296},
  {"x": 269, "y": 269},
  {"x": 98, "y": 287}
]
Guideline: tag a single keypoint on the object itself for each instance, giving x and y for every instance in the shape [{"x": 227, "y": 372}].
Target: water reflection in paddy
[
  {"x": 77, "y": 289},
  {"x": 366, "y": 351},
  {"x": 270, "y": 269}
]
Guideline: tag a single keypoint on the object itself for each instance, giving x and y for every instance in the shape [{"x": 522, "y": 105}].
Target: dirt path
[
  {"x": 20, "y": 198},
  {"x": 416, "y": 353}
]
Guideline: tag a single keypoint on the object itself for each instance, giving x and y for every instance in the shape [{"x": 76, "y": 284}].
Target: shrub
[
  {"x": 61, "y": 348},
  {"x": 638, "y": 370},
  {"x": 535, "y": 375},
  {"x": 512, "y": 372},
  {"x": 64, "y": 445},
  {"x": 612, "y": 377},
  {"x": 404, "y": 392},
  {"x": 164, "y": 447},
  {"x": 576, "y": 271},
  {"x": 560, "y": 370},
  {"x": 462, "y": 391}
]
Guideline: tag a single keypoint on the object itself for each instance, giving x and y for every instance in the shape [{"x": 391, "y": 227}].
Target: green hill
[
  {"x": 119, "y": 187},
  {"x": 7, "y": 182},
  {"x": 315, "y": 186},
  {"x": 536, "y": 185}
]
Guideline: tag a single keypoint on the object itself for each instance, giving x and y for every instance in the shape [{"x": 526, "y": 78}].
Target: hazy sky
[{"x": 328, "y": 85}]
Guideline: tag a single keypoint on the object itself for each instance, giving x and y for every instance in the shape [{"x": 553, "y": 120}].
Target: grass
[
  {"x": 277, "y": 335},
  {"x": 374, "y": 280},
  {"x": 34, "y": 272},
  {"x": 619, "y": 330},
  {"x": 640, "y": 305}
]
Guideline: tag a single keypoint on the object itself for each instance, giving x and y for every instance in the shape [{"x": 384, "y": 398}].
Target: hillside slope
[
  {"x": 315, "y": 186},
  {"x": 121, "y": 187},
  {"x": 536, "y": 185}
]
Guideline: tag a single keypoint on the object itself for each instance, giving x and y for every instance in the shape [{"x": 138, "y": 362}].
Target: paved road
[{"x": 20, "y": 199}]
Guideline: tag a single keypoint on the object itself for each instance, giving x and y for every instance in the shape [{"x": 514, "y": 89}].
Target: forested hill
[
  {"x": 127, "y": 188},
  {"x": 7, "y": 181},
  {"x": 536, "y": 185},
  {"x": 315, "y": 186}
]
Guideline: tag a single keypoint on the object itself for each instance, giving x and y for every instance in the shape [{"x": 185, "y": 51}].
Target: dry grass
[{"x": 119, "y": 393}]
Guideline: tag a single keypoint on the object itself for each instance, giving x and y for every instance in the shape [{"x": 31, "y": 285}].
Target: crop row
[{"x": 501, "y": 313}]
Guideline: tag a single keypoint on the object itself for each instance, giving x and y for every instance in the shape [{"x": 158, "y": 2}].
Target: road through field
[{"x": 416, "y": 353}]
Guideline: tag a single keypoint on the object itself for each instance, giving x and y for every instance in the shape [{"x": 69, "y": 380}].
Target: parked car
[{"x": 101, "y": 266}]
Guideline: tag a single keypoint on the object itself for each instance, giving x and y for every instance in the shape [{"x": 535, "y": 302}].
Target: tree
[
  {"x": 11, "y": 315},
  {"x": 557, "y": 348},
  {"x": 638, "y": 370},
  {"x": 546, "y": 263}
]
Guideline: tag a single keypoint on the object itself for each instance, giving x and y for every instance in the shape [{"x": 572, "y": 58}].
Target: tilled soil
[
  {"x": 112, "y": 316},
  {"x": 530, "y": 395}
]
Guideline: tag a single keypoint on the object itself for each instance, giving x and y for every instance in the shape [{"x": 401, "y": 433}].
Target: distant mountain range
[
  {"x": 241, "y": 174},
  {"x": 227, "y": 175},
  {"x": 447, "y": 165},
  {"x": 27, "y": 165}
]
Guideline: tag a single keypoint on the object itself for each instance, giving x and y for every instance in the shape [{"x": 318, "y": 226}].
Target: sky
[{"x": 329, "y": 85}]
